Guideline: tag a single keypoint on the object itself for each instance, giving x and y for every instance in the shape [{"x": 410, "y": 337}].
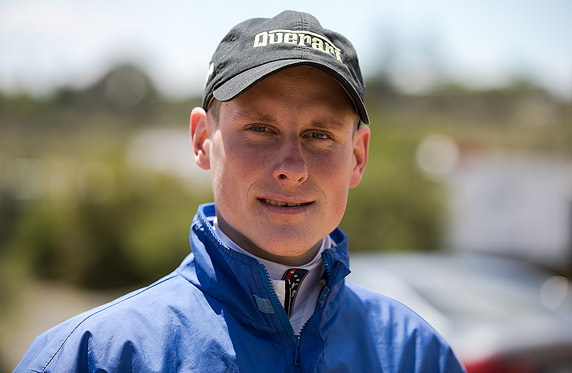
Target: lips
[{"x": 284, "y": 204}]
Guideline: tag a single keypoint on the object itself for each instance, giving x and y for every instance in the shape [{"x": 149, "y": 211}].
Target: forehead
[{"x": 296, "y": 90}]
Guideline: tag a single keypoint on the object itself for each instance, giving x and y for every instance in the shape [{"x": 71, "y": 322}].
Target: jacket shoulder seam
[{"x": 173, "y": 275}]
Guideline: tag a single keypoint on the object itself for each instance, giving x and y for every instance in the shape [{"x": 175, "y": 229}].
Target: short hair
[{"x": 214, "y": 109}]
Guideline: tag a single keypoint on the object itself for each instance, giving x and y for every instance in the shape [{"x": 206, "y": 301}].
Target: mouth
[{"x": 284, "y": 204}]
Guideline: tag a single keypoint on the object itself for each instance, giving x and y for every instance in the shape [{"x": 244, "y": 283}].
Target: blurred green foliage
[
  {"x": 394, "y": 207},
  {"x": 132, "y": 236},
  {"x": 75, "y": 208}
]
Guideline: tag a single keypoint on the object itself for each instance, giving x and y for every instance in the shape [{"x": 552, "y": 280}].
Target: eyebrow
[
  {"x": 253, "y": 115},
  {"x": 328, "y": 124},
  {"x": 258, "y": 116}
]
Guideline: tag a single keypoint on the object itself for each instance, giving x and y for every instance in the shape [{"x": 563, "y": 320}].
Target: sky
[{"x": 45, "y": 44}]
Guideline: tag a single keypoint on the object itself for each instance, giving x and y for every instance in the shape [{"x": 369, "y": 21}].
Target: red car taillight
[{"x": 499, "y": 365}]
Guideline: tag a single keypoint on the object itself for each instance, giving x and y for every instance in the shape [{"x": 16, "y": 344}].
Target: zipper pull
[{"x": 297, "y": 352}]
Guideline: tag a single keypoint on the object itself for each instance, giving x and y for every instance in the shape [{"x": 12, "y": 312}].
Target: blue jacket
[{"x": 218, "y": 313}]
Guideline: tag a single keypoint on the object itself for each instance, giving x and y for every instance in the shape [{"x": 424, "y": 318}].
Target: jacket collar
[{"x": 237, "y": 280}]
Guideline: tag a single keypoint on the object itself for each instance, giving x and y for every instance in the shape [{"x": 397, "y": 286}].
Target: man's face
[{"x": 283, "y": 156}]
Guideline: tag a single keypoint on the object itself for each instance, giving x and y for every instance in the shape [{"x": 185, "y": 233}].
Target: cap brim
[{"x": 232, "y": 88}]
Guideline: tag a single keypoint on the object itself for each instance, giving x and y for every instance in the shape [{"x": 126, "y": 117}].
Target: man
[{"x": 263, "y": 289}]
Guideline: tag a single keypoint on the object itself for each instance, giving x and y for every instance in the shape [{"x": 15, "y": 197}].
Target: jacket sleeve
[
  {"x": 62, "y": 348},
  {"x": 402, "y": 340}
]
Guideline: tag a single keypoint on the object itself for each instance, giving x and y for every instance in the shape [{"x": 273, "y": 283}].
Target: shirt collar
[{"x": 275, "y": 270}]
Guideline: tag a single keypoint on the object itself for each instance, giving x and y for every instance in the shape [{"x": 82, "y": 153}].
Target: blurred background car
[{"x": 499, "y": 315}]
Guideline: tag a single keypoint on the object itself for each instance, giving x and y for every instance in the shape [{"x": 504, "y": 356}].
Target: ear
[
  {"x": 200, "y": 140},
  {"x": 361, "y": 148}
]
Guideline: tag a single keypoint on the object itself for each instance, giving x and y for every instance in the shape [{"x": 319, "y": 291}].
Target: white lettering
[
  {"x": 317, "y": 44},
  {"x": 305, "y": 40},
  {"x": 290, "y": 38},
  {"x": 261, "y": 40},
  {"x": 338, "y": 55},
  {"x": 300, "y": 38},
  {"x": 273, "y": 39}
]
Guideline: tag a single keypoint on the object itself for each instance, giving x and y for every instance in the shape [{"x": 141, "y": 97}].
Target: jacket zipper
[
  {"x": 280, "y": 311},
  {"x": 297, "y": 350}
]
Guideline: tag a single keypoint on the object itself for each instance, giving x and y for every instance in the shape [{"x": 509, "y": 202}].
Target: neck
[{"x": 252, "y": 248}]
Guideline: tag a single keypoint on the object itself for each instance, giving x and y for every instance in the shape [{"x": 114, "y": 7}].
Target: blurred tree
[
  {"x": 123, "y": 89},
  {"x": 394, "y": 207},
  {"x": 89, "y": 229},
  {"x": 130, "y": 235}
]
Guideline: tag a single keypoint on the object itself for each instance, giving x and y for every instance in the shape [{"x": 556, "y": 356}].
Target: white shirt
[{"x": 310, "y": 288}]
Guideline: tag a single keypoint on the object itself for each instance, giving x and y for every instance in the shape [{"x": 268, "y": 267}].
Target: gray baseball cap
[{"x": 259, "y": 47}]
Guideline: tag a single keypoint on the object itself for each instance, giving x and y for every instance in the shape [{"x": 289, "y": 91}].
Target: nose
[{"x": 290, "y": 165}]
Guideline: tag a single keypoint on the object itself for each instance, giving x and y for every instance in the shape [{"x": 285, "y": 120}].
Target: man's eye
[
  {"x": 259, "y": 128},
  {"x": 318, "y": 135}
]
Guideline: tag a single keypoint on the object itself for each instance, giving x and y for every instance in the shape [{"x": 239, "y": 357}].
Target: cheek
[
  {"x": 337, "y": 169},
  {"x": 221, "y": 166},
  {"x": 335, "y": 175},
  {"x": 233, "y": 170}
]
